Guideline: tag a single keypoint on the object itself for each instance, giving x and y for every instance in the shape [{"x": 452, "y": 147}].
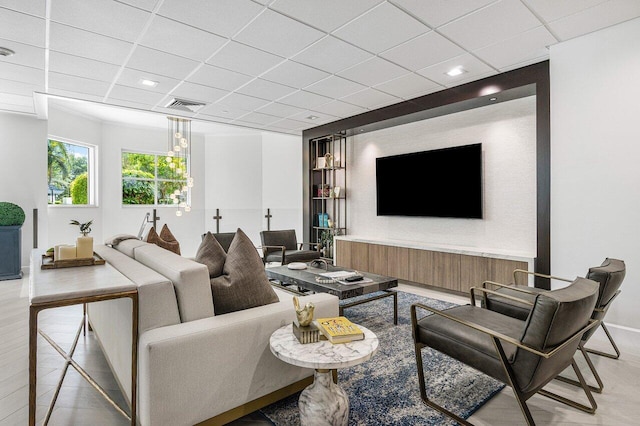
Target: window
[
  {"x": 149, "y": 179},
  {"x": 70, "y": 173}
]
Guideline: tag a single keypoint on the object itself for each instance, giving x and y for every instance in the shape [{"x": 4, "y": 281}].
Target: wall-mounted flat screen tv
[{"x": 438, "y": 183}]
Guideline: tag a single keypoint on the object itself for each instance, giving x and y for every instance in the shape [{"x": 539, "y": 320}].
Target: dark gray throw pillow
[
  {"x": 212, "y": 254},
  {"x": 243, "y": 283}
]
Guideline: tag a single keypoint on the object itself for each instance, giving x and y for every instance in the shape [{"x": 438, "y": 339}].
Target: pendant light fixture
[{"x": 179, "y": 162}]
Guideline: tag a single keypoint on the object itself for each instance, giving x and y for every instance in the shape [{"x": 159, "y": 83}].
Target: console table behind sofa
[{"x": 448, "y": 267}]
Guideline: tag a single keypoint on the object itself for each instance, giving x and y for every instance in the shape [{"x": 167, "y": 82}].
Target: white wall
[
  {"x": 23, "y": 173},
  {"x": 595, "y": 152},
  {"x": 507, "y": 133}
]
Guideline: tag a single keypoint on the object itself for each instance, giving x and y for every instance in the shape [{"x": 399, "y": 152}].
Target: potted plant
[
  {"x": 84, "y": 244},
  {"x": 11, "y": 220}
]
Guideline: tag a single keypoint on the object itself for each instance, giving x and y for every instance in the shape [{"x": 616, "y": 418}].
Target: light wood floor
[{"x": 79, "y": 404}]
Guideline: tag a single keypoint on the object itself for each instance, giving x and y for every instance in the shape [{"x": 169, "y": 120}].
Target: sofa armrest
[{"x": 193, "y": 371}]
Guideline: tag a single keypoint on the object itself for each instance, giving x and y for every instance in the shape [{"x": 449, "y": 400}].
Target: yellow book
[{"x": 339, "y": 329}]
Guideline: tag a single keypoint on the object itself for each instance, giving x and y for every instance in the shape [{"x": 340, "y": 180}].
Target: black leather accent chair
[
  {"x": 224, "y": 238},
  {"x": 609, "y": 275},
  {"x": 524, "y": 354},
  {"x": 282, "y": 246}
]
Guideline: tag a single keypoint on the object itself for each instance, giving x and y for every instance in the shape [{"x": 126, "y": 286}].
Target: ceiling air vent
[{"x": 185, "y": 105}]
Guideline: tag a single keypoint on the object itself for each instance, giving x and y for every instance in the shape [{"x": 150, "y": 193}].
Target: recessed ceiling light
[
  {"x": 312, "y": 117},
  {"x": 149, "y": 83},
  {"x": 6, "y": 52},
  {"x": 455, "y": 71},
  {"x": 493, "y": 99}
]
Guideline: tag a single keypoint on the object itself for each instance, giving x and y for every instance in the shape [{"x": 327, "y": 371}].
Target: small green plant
[
  {"x": 11, "y": 214},
  {"x": 85, "y": 228}
]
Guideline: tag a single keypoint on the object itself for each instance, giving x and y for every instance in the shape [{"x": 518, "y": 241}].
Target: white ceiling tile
[
  {"x": 470, "y": 64},
  {"x": 550, "y": 10},
  {"x": 291, "y": 124},
  {"x": 595, "y": 18},
  {"x": 279, "y": 110},
  {"x": 180, "y": 39},
  {"x": 317, "y": 119},
  {"x": 332, "y": 55},
  {"x": 173, "y": 111},
  {"x": 409, "y": 86},
  {"x": 335, "y": 87},
  {"x": 129, "y": 104},
  {"x": 304, "y": 99},
  {"x": 266, "y": 89},
  {"x": 222, "y": 17},
  {"x": 258, "y": 118},
  {"x": 370, "y": 98},
  {"x": 75, "y": 95},
  {"x": 245, "y": 102},
  {"x": 18, "y": 100},
  {"x": 21, "y": 73},
  {"x": 130, "y": 77},
  {"x": 223, "y": 111},
  {"x": 142, "y": 4},
  {"x": 294, "y": 74},
  {"x": 32, "y": 7},
  {"x": 524, "y": 63},
  {"x": 532, "y": 44},
  {"x": 108, "y": 18},
  {"x": 81, "y": 67},
  {"x": 244, "y": 59},
  {"x": 17, "y": 108},
  {"x": 339, "y": 109},
  {"x": 221, "y": 78},
  {"x": 135, "y": 95},
  {"x": 19, "y": 88},
  {"x": 22, "y": 28},
  {"x": 162, "y": 63},
  {"x": 332, "y": 14},
  {"x": 89, "y": 45},
  {"x": 373, "y": 71},
  {"x": 392, "y": 27},
  {"x": 214, "y": 118},
  {"x": 77, "y": 84},
  {"x": 276, "y": 33},
  {"x": 438, "y": 12},
  {"x": 26, "y": 54},
  {"x": 198, "y": 92},
  {"x": 494, "y": 23},
  {"x": 422, "y": 51}
]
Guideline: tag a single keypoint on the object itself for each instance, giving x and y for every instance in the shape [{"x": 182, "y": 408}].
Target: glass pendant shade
[{"x": 178, "y": 160}]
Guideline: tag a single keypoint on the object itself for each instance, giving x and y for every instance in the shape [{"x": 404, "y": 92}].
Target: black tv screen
[{"x": 440, "y": 183}]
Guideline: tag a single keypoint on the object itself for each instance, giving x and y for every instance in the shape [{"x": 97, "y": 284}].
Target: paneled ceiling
[{"x": 278, "y": 65}]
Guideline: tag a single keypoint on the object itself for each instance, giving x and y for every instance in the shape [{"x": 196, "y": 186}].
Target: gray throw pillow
[
  {"x": 212, "y": 254},
  {"x": 243, "y": 283}
]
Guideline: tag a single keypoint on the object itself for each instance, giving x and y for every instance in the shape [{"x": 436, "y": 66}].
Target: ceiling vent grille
[{"x": 185, "y": 105}]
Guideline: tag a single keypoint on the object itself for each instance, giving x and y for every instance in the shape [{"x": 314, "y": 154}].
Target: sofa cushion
[
  {"x": 243, "y": 283},
  {"x": 117, "y": 239},
  {"x": 166, "y": 240},
  {"x": 212, "y": 254},
  {"x": 190, "y": 280},
  {"x": 128, "y": 247}
]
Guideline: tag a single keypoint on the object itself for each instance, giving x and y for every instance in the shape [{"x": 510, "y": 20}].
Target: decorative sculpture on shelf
[{"x": 304, "y": 315}]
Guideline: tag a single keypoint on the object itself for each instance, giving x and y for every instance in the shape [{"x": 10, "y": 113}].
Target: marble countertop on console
[
  {"x": 323, "y": 354},
  {"x": 471, "y": 251}
]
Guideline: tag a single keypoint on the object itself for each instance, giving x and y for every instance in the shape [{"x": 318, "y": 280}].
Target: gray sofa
[{"x": 193, "y": 365}]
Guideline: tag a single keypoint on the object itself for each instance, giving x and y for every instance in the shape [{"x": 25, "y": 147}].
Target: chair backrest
[
  {"x": 285, "y": 237},
  {"x": 224, "y": 238},
  {"x": 610, "y": 276},
  {"x": 555, "y": 317}
]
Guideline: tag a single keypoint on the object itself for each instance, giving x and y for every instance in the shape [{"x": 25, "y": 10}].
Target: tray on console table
[{"x": 49, "y": 263}]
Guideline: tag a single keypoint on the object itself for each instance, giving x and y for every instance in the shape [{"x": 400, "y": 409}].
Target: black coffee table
[{"x": 349, "y": 294}]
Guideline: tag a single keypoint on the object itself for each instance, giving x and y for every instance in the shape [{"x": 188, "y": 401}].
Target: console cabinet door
[{"x": 343, "y": 253}]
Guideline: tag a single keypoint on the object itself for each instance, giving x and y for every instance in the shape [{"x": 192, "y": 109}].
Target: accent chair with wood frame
[
  {"x": 282, "y": 246},
  {"x": 524, "y": 354},
  {"x": 609, "y": 275}
]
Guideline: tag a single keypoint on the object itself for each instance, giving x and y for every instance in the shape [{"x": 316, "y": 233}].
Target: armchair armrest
[
  {"x": 312, "y": 246},
  {"x": 265, "y": 251},
  {"x": 485, "y": 290},
  {"x": 537, "y": 274},
  {"x": 494, "y": 334}
]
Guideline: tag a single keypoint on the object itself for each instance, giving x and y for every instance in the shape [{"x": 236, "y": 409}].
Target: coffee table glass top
[
  {"x": 306, "y": 278},
  {"x": 323, "y": 354}
]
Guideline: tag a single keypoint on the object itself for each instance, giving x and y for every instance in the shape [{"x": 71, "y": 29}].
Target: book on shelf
[{"x": 339, "y": 329}]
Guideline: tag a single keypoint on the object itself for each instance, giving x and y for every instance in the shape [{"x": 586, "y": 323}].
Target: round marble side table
[{"x": 323, "y": 403}]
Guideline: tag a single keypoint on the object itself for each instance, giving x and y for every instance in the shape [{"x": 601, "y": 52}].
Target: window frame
[{"x": 92, "y": 172}]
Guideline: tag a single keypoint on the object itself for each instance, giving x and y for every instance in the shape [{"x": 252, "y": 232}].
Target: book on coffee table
[{"x": 339, "y": 329}]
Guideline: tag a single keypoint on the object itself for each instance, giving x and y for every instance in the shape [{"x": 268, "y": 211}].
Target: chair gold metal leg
[
  {"x": 571, "y": 403},
  {"x": 613, "y": 344},
  {"x": 595, "y": 374},
  {"x": 423, "y": 391}
]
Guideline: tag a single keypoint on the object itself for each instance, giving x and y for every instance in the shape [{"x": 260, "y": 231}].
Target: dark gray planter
[{"x": 10, "y": 252}]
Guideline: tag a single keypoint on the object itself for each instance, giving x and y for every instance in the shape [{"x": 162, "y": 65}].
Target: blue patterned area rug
[{"x": 384, "y": 390}]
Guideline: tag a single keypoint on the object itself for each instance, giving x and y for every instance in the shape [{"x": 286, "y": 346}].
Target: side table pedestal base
[{"x": 323, "y": 403}]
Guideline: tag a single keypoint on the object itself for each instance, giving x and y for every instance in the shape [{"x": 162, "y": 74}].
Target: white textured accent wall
[
  {"x": 507, "y": 133},
  {"x": 595, "y": 153}
]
